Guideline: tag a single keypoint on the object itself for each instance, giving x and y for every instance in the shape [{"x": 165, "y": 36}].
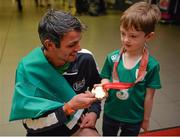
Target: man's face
[{"x": 70, "y": 45}]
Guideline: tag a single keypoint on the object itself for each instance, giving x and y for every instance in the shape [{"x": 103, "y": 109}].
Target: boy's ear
[
  {"x": 150, "y": 36},
  {"x": 49, "y": 45}
]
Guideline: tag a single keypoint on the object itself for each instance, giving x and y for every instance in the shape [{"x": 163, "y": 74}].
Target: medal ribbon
[{"x": 124, "y": 85}]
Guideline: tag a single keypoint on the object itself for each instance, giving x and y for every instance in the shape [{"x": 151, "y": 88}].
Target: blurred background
[{"x": 18, "y": 36}]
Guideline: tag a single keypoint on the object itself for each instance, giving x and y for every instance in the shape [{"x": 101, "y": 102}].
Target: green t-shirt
[
  {"x": 129, "y": 110},
  {"x": 63, "y": 68}
]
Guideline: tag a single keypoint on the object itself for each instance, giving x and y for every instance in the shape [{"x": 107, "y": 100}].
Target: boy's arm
[{"x": 148, "y": 104}]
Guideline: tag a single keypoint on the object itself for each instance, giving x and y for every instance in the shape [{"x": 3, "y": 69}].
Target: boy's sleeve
[
  {"x": 153, "y": 78},
  {"x": 106, "y": 71}
]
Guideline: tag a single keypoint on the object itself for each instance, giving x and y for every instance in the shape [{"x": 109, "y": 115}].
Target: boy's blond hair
[{"x": 141, "y": 16}]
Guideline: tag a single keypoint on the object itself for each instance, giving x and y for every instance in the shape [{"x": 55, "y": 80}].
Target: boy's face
[{"x": 133, "y": 40}]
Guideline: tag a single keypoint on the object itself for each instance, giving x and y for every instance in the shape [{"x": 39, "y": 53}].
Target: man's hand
[
  {"x": 83, "y": 100},
  {"x": 88, "y": 120}
]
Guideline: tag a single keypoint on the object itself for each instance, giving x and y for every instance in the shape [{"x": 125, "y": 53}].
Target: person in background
[
  {"x": 82, "y": 7},
  {"x": 42, "y": 3},
  {"x": 131, "y": 75},
  {"x": 50, "y": 93}
]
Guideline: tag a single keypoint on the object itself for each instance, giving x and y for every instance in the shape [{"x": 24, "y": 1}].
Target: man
[{"x": 51, "y": 81}]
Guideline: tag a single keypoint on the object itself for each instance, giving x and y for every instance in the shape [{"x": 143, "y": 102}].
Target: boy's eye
[
  {"x": 133, "y": 36},
  {"x": 123, "y": 34}
]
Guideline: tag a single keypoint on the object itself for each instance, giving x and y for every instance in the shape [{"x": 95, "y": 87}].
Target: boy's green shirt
[{"x": 132, "y": 109}]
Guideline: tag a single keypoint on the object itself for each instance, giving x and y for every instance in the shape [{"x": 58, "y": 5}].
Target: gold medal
[{"x": 99, "y": 92}]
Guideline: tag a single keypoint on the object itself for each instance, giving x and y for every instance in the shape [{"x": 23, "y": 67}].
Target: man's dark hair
[{"x": 55, "y": 24}]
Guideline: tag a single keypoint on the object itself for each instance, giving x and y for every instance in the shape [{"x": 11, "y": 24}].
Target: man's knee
[{"x": 86, "y": 132}]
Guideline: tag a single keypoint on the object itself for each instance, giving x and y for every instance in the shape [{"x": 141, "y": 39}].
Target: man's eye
[{"x": 72, "y": 45}]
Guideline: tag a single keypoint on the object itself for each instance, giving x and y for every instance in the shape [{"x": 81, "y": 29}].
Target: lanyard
[{"x": 116, "y": 84}]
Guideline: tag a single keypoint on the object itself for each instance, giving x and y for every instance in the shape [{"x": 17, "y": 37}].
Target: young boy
[{"x": 131, "y": 75}]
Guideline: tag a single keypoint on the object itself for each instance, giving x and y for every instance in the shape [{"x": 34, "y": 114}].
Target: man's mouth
[{"x": 74, "y": 54}]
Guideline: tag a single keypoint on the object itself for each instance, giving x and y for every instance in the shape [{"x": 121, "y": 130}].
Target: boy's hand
[{"x": 145, "y": 125}]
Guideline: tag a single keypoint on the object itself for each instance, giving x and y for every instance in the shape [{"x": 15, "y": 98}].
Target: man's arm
[{"x": 59, "y": 116}]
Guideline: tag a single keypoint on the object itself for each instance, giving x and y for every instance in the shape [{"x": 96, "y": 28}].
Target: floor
[{"x": 18, "y": 35}]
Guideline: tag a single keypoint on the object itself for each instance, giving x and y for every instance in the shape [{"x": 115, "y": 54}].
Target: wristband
[{"x": 68, "y": 110}]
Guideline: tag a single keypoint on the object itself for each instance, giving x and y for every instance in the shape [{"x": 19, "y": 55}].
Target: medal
[
  {"x": 122, "y": 94},
  {"x": 99, "y": 92}
]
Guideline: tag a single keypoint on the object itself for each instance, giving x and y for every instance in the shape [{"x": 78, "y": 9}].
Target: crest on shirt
[
  {"x": 79, "y": 85},
  {"x": 114, "y": 58}
]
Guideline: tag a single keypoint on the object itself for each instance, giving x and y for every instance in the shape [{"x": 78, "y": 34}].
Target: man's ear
[
  {"x": 49, "y": 45},
  {"x": 150, "y": 36}
]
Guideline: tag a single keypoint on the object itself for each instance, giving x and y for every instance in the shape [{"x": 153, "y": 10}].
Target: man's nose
[{"x": 78, "y": 47}]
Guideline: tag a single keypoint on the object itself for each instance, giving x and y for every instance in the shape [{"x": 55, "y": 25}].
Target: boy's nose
[{"x": 126, "y": 39}]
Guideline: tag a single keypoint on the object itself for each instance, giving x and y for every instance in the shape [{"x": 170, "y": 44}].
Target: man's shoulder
[
  {"x": 32, "y": 58},
  {"x": 85, "y": 51},
  {"x": 33, "y": 51},
  {"x": 34, "y": 55},
  {"x": 85, "y": 54}
]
